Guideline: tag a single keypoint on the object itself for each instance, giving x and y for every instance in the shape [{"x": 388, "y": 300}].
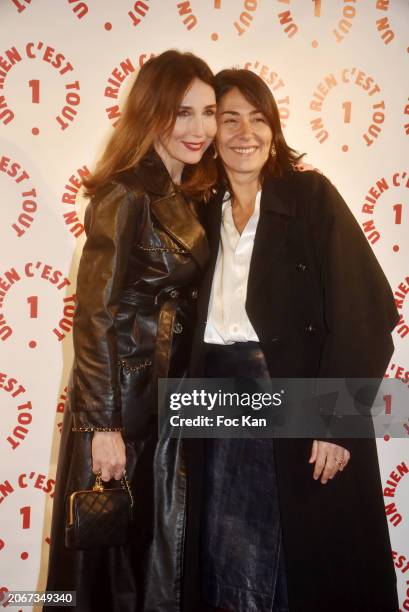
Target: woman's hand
[
  {"x": 302, "y": 167},
  {"x": 329, "y": 459},
  {"x": 108, "y": 454}
]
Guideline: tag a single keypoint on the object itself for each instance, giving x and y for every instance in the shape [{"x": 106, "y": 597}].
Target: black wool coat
[{"x": 321, "y": 307}]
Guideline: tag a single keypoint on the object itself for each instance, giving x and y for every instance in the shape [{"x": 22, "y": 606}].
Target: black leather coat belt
[{"x": 130, "y": 296}]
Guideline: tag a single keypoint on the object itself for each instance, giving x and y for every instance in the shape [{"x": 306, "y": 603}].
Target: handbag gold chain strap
[{"x": 99, "y": 486}]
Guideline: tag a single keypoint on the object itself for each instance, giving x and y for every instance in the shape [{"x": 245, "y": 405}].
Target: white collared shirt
[{"x": 227, "y": 320}]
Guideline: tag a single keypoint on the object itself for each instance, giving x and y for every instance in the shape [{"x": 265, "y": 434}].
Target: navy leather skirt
[{"x": 242, "y": 556}]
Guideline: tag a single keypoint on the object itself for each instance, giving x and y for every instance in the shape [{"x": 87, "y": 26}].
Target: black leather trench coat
[
  {"x": 136, "y": 302},
  {"x": 321, "y": 306}
]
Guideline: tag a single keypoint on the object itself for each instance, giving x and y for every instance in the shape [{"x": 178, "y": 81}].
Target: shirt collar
[{"x": 227, "y": 201}]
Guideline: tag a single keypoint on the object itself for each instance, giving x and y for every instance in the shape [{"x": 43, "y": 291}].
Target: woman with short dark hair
[{"x": 292, "y": 290}]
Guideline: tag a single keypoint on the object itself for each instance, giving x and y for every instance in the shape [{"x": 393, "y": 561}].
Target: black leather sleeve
[{"x": 110, "y": 224}]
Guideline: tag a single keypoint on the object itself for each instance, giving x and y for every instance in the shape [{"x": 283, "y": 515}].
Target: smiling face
[
  {"x": 194, "y": 129},
  {"x": 244, "y": 137}
]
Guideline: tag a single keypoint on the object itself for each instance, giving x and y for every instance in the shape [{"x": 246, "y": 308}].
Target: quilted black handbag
[{"x": 100, "y": 517}]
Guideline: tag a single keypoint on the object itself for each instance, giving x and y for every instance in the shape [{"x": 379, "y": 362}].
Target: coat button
[
  {"x": 301, "y": 267},
  {"x": 174, "y": 293},
  {"x": 310, "y": 329},
  {"x": 194, "y": 294},
  {"x": 178, "y": 328}
]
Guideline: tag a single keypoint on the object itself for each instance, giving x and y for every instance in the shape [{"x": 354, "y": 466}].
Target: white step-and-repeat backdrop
[{"x": 339, "y": 72}]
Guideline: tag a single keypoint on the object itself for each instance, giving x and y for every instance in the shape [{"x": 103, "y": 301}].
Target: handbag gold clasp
[{"x": 98, "y": 486}]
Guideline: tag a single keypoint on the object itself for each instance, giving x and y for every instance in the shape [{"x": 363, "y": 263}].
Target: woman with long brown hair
[{"x": 136, "y": 295}]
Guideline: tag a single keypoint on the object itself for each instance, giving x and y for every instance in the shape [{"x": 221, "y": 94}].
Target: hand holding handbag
[{"x": 99, "y": 517}]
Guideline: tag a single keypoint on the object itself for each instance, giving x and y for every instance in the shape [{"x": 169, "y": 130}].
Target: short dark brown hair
[
  {"x": 256, "y": 91},
  {"x": 150, "y": 110}
]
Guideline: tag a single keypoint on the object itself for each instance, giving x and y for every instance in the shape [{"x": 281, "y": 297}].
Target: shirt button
[
  {"x": 178, "y": 328},
  {"x": 174, "y": 293},
  {"x": 301, "y": 267},
  {"x": 234, "y": 328},
  {"x": 310, "y": 329}
]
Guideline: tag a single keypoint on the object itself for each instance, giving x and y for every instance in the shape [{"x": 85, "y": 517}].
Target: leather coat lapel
[
  {"x": 174, "y": 214},
  {"x": 152, "y": 173},
  {"x": 277, "y": 206},
  {"x": 177, "y": 218}
]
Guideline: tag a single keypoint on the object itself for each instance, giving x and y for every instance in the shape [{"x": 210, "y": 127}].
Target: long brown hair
[
  {"x": 150, "y": 110},
  {"x": 255, "y": 90}
]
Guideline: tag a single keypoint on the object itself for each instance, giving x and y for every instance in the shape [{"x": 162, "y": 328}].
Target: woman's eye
[
  {"x": 210, "y": 113},
  {"x": 229, "y": 121},
  {"x": 183, "y": 113}
]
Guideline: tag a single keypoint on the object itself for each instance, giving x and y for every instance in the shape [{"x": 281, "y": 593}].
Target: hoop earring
[
  {"x": 273, "y": 151},
  {"x": 215, "y": 154}
]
